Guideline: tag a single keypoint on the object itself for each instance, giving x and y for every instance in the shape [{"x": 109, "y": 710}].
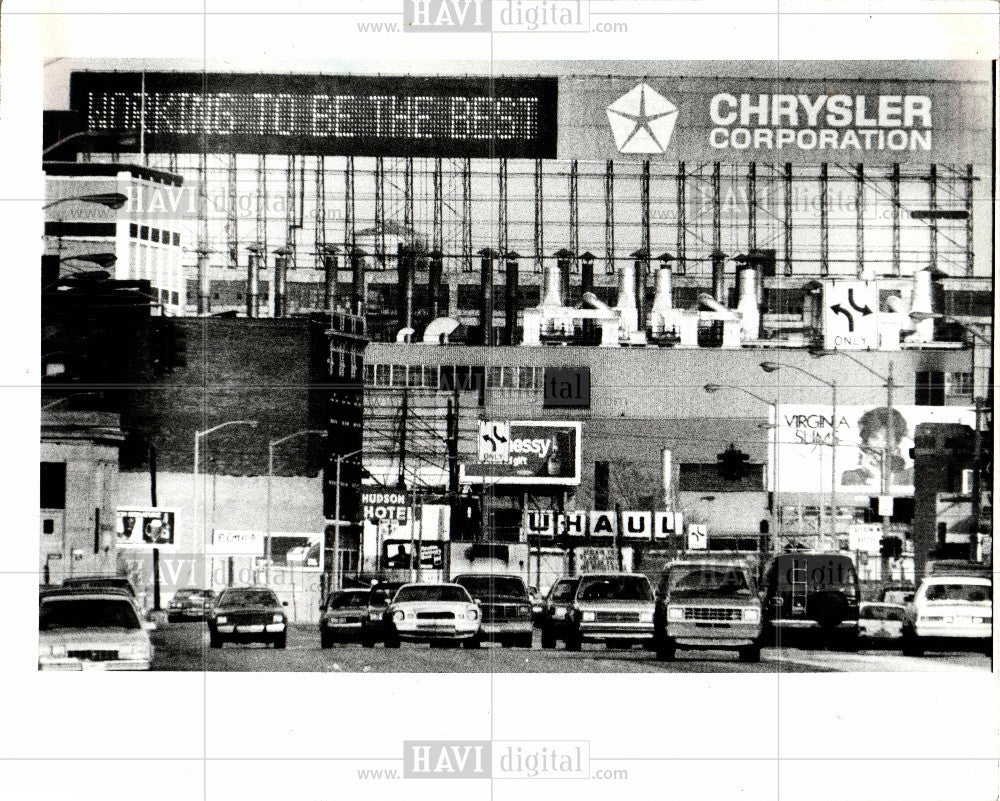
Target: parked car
[
  {"x": 100, "y": 583},
  {"x": 881, "y": 623},
  {"x": 505, "y": 606},
  {"x": 898, "y": 592},
  {"x": 379, "y": 597},
  {"x": 555, "y": 611},
  {"x": 812, "y": 593},
  {"x": 342, "y": 616},
  {"x": 613, "y": 608},
  {"x": 248, "y": 614},
  {"x": 950, "y": 612},
  {"x": 708, "y": 604},
  {"x": 92, "y": 629},
  {"x": 190, "y": 604},
  {"x": 438, "y": 614}
]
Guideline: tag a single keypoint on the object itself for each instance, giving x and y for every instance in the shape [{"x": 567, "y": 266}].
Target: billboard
[
  {"x": 232, "y": 542},
  {"x": 345, "y": 115},
  {"x": 145, "y": 527},
  {"x": 799, "y": 121},
  {"x": 805, "y": 440},
  {"x": 525, "y": 453}
]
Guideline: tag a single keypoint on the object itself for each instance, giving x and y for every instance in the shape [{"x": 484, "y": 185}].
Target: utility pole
[
  {"x": 452, "y": 448},
  {"x": 156, "y": 551},
  {"x": 404, "y": 413}
]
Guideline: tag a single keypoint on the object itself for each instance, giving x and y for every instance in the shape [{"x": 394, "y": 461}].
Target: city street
[{"x": 184, "y": 646}]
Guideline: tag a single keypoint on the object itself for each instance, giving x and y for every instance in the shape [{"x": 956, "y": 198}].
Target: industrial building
[{"x": 729, "y": 263}]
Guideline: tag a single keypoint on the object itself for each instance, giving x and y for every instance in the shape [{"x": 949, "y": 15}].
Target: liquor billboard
[
  {"x": 525, "y": 453},
  {"x": 145, "y": 527}
]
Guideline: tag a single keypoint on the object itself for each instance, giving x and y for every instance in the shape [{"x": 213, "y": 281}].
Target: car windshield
[
  {"x": 615, "y": 588},
  {"x": 969, "y": 593},
  {"x": 342, "y": 600},
  {"x": 718, "y": 580},
  {"x": 87, "y": 613},
  {"x": 182, "y": 595},
  {"x": 492, "y": 586},
  {"x": 248, "y": 598},
  {"x": 432, "y": 593},
  {"x": 563, "y": 590},
  {"x": 380, "y": 596}
]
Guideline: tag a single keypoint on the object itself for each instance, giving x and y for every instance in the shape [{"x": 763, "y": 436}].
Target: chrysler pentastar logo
[{"x": 642, "y": 120}]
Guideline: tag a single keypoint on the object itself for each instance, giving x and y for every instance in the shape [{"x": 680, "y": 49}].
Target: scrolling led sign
[{"x": 321, "y": 115}]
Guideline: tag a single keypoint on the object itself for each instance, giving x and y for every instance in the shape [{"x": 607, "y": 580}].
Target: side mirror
[
  {"x": 476, "y": 601},
  {"x": 284, "y": 603},
  {"x": 149, "y": 625}
]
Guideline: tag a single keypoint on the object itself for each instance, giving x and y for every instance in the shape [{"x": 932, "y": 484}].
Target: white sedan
[
  {"x": 950, "y": 612},
  {"x": 433, "y": 613}
]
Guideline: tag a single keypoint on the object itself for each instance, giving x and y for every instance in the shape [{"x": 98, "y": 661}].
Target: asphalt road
[{"x": 184, "y": 646}]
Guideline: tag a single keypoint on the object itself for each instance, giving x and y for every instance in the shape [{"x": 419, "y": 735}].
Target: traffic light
[
  {"x": 732, "y": 463},
  {"x": 891, "y": 547}
]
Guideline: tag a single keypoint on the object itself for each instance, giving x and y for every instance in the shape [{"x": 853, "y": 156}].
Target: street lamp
[
  {"x": 197, "y": 441},
  {"x": 340, "y": 457},
  {"x": 773, "y": 367},
  {"x": 776, "y": 534},
  {"x": 270, "y": 477}
]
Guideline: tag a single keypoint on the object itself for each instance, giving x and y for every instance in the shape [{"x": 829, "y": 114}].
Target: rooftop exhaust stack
[
  {"x": 719, "y": 277},
  {"x": 486, "y": 299},
  {"x": 663, "y": 302},
  {"x": 510, "y": 298},
  {"x": 747, "y": 303},
  {"x": 330, "y": 267},
  {"x": 626, "y": 306},
  {"x": 253, "y": 280},
  {"x": 280, "y": 293},
  {"x": 553, "y": 288},
  {"x": 922, "y": 302}
]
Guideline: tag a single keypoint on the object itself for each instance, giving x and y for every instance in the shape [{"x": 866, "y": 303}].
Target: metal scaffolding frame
[
  {"x": 539, "y": 233},
  {"x": 681, "y": 221},
  {"x": 824, "y": 220},
  {"x": 859, "y": 200},
  {"x": 574, "y": 214},
  {"x": 466, "y": 215},
  {"x": 894, "y": 179},
  {"x": 609, "y": 218},
  {"x": 502, "y": 248}
]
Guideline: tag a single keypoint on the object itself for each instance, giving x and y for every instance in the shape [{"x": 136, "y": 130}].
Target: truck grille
[
  {"x": 712, "y": 613},
  {"x": 617, "y": 617},
  {"x": 93, "y": 656},
  {"x": 499, "y": 612},
  {"x": 435, "y": 615}
]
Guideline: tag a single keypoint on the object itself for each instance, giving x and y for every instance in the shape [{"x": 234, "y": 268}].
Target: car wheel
[
  {"x": 214, "y": 640},
  {"x": 524, "y": 641},
  {"x": 367, "y": 642},
  {"x": 851, "y": 642},
  {"x": 665, "y": 650},
  {"x": 574, "y": 642},
  {"x": 750, "y": 653},
  {"x": 391, "y": 642},
  {"x": 325, "y": 640},
  {"x": 473, "y": 642},
  {"x": 173, "y": 619},
  {"x": 280, "y": 640},
  {"x": 548, "y": 638}
]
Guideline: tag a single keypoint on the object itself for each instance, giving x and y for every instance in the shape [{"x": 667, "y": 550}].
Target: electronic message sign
[{"x": 185, "y": 112}]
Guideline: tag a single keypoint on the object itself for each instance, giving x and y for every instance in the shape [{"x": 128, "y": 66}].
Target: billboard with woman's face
[{"x": 867, "y": 437}]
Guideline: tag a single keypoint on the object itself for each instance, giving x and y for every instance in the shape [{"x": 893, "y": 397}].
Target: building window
[
  {"x": 143, "y": 232},
  {"x": 382, "y": 375},
  {"x": 929, "y": 388},
  {"x": 52, "y": 494},
  {"x": 177, "y": 239},
  {"x": 154, "y": 234},
  {"x": 431, "y": 376},
  {"x": 399, "y": 375},
  {"x": 958, "y": 385},
  {"x": 369, "y": 375},
  {"x": 493, "y": 377},
  {"x": 526, "y": 377},
  {"x": 175, "y": 298},
  {"x": 133, "y": 230},
  {"x": 509, "y": 378}
]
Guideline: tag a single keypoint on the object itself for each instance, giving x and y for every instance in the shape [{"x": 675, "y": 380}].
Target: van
[{"x": 814, "y": 595}]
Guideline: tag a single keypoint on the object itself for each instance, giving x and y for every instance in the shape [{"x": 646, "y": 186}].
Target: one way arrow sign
[{"x": 850, "y": 321}]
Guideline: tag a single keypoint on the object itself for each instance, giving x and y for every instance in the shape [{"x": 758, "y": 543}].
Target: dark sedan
[
  {"x": 342, "y": 617},
  {"x": 248, "y": 614},
  {"x": 190, "y": 604}
]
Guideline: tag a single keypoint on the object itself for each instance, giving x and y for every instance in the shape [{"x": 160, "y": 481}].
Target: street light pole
[
  {"x": 336, "y": 523},
  {"x": 270, "y": 478},
  {"x": 772, "y": 367},
  {"x": 197, "y": 442}
]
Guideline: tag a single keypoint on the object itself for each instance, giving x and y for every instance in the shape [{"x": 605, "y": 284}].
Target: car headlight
[
  {"x": 221, "y": 619},
  {"x": 473, "y": 614},
  {"x": 588, "y": 617},
  {"x": 559, "y": 611},
  {"x": 374, "y": 614},
  {"x": 140, "y": 651},
  {"x": 57, "y": 651},
  {"x": 675, "y": 613},
  {"x": 982, "y": 620},
  {"x": 645, "y": 617},
  {"x": 524, "y": 611},
  {"x": 399, "y": 615},
  {"x": 277, "y": 617},
  {"x": 751, "y": 615}
]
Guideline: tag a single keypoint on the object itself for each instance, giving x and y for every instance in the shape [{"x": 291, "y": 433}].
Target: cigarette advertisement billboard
[
  {"x": 525, "y": 453},
  {"x": 864, "y": 436}
]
